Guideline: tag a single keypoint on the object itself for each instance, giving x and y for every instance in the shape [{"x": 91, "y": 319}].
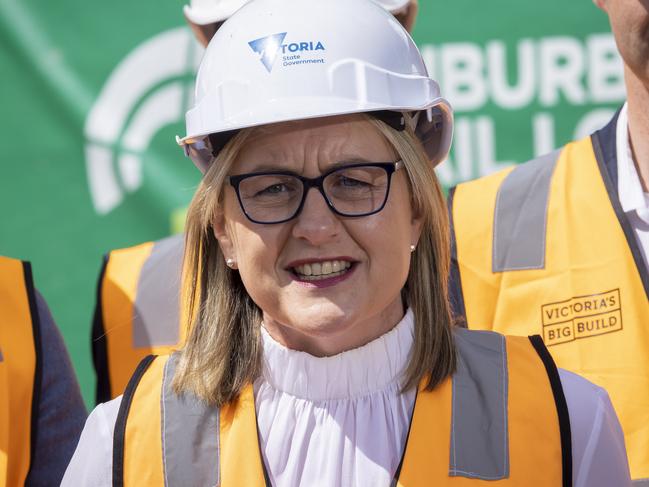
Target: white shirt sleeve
[
  {"x": 92, "y": 462},
  {"x": 598, "y": 453}
]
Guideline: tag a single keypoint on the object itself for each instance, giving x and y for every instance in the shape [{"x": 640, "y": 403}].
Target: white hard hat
[
  {"x": 203, "y": 12},
  {"x": 393, "y": 6},
  {"x": 281, "y": 60}
]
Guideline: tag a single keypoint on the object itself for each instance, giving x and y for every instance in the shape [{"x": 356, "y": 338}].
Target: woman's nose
[{"x": 316, "y": 222}]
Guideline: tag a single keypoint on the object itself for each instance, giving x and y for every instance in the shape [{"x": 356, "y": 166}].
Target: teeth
[{"x": 319, "y": 269}]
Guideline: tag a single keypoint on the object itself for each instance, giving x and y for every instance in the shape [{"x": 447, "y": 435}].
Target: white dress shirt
[
  {"x": 634, "y": 202},
  {"x": 341, "y": 421}
]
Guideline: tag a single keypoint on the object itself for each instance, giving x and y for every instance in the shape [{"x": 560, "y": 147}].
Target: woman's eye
[
  {"x": 351, "y": 182},
  {"x": 273, "y": 189}
]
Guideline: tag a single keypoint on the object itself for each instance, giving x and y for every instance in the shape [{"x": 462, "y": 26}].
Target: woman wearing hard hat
[
  {"x": 317, "y": 253},
  {"x": 128, "y": 326}
]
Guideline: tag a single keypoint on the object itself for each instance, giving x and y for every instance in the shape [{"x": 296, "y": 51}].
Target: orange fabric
[
  {"x": 17, "y": 370},
  {"x": 240, "y": 456},
  {"x": 143, "y": 438},
  {"x": 119, "y": 293},
  {"x": 534, "y": 438},
  {"x": 588, "y": 303}
]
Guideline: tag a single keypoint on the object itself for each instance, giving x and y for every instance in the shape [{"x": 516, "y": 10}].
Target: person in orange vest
[
  {"x": 137, "y": 302},
  {"x": 323, "y": 350},
  {"x": 41, "y": 410},
  {"x": 559, "y": 246}
]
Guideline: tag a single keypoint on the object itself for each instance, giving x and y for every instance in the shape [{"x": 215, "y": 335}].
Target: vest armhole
[
  {"x": 562, "y": 407},
  {"x": 397, "y": 473},
  {"x": 614, "y": 198},
  {"x": 38, "y": 365},
  {"x": 99, "y": 342},
  {"x": 122, "y": 416},
  {"x": 456, "y": 295}
]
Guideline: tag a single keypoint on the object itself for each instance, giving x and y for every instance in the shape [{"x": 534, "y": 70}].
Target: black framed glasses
[{"x": 351, "y": 191}]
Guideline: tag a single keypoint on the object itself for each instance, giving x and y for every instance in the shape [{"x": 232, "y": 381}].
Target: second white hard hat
[
  {"x": 203, "y": 12},
  {"x": 282, "y": 60}
]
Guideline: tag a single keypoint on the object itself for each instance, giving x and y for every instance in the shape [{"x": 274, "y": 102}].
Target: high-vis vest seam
[
  {"x": 157, "y": 299},
  {"x": 120, "y": 422},
  {"x": 614, "y": 198},
  {"x": 99, "y": 344},
  {"x": 520, "y": 219},
  {"x": 479, "y": 398},
  {"x": 190, "y": 436},
  {"x": 562, "y": 407},
  {"x": 38, "y": 367}
]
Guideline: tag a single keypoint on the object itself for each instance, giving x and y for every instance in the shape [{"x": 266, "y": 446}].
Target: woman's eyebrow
[
  {"x": 270, "y": 166},
  {"x": 345, "y": 161},
  {"x": 274, "y": 166}
]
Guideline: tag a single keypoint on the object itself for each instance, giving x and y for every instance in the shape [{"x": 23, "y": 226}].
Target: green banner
[{"x": 94, "y": 94}]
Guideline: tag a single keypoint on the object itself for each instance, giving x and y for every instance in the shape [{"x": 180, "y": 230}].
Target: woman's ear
[
  {"x": 416, "y": 226},
  {"x": 222, "y": 235}
]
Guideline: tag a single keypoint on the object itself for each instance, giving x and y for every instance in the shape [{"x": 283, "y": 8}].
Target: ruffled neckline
[{"x": 363, "y": 371}]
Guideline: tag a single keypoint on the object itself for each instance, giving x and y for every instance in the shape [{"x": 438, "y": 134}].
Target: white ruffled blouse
[{"x": 338, "y": 420}]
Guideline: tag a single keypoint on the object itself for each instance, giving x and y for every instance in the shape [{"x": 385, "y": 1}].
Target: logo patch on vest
[{"x": 581, "y": 317}]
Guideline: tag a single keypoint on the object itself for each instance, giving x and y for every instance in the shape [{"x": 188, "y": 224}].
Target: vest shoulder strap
[
  {"x": 488, "y": 408},
  {"x": 520, "y": 217},
  {"x": 177, "y": 437},
  {"x": 480, "y": 394},
  {"x": 119, "y": 435},
  {"x": 562, "y": 407},
  {"x": 137, "y": 310}
]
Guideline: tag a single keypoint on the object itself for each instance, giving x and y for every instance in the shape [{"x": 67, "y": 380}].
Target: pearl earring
[
  {"x": 229, "y": 262},
  {"x": 412, "y": 248}
]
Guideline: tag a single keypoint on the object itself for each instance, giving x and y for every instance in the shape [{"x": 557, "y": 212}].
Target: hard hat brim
[{"x": 434, "y": 128}]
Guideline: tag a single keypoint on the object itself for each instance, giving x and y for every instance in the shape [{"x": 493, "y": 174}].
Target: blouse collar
[{"x": 358, "y": 372}]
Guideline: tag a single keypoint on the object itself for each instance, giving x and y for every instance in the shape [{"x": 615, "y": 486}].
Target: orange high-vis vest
[
  {"x": 501, "y": 418},
  {"x": 19, "y": 370},
  {"x": 546, "y": 249},
  {"x": 137, "y": 311}
]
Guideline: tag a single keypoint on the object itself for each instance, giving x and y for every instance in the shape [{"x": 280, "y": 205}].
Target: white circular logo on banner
[{"x": 145, "y": 92}]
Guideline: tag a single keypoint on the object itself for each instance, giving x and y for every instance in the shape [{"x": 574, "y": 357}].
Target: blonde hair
[{"x": 223, "y": 349}]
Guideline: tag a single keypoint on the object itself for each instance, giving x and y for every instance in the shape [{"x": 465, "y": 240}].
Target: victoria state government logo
[
  {"x": 270, "y": 48},
  {"x": 581, "y": 317}
]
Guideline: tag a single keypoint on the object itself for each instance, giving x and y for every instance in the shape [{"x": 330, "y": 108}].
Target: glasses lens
[
  {"x": 357, "y": 190},
  {"x": 270, "y": 198}
]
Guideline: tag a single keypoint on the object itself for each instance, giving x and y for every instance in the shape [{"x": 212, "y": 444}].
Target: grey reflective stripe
[
  {"x": 640, "y": 483},
  {"x": 479, "y": 436},
  {"x": 2, "y": 357},
  {"x": 520, "y": 218},
  {"x": 157, "y": 300},
  {"x": 190, "y": 437}
]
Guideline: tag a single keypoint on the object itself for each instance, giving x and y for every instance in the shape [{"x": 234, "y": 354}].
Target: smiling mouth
[{"x": 317, "y": 271}]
